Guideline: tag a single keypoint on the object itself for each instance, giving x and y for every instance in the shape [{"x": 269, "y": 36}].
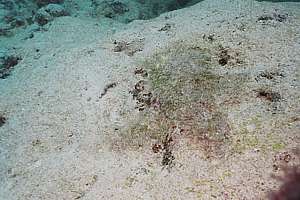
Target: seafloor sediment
[{"x": 114, "y": 100}]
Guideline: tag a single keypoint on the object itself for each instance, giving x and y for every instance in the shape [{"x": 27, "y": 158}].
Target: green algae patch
[
  {"x": 244, "y": 140},
  {"x": 189, "y": 97},
  {"x": 278, "y": 146}
]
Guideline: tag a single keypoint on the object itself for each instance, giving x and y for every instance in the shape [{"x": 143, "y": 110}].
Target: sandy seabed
[{"x": 68, "y": 100}]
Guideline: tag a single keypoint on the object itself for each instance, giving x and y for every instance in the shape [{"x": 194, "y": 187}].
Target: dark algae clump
[
  {"x": 268, "y": 95},
  {"x": 107, "y": 88}
]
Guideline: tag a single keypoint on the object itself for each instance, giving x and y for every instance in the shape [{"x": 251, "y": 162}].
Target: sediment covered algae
[{"x": 190, "y": 93}]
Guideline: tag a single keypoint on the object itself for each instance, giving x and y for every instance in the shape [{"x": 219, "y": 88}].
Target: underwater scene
[{"x": 149, "y": 100}]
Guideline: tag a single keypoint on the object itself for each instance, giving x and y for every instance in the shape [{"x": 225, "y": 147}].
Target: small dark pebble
[
  {"x": 141, "y": 72},
  {"x": 167, "y": 27},
  {"x": 275, "y": 167},
  {"x": 2, "y": 120},
  {"x": 156, "y": 148}
]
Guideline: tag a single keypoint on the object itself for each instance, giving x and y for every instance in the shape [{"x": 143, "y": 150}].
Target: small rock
[
  {"x": 2, "y": 120},
  {"x": 48, "y": 13},
  {"x": 167, "y": 27},
  {"x": 56, "y": 10},
  {"x": 7, "y": 62},
  {"x": 18, "y": 21},
  {"x": 111, "y": 9},
  {"x": 42, "y": 17}
]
